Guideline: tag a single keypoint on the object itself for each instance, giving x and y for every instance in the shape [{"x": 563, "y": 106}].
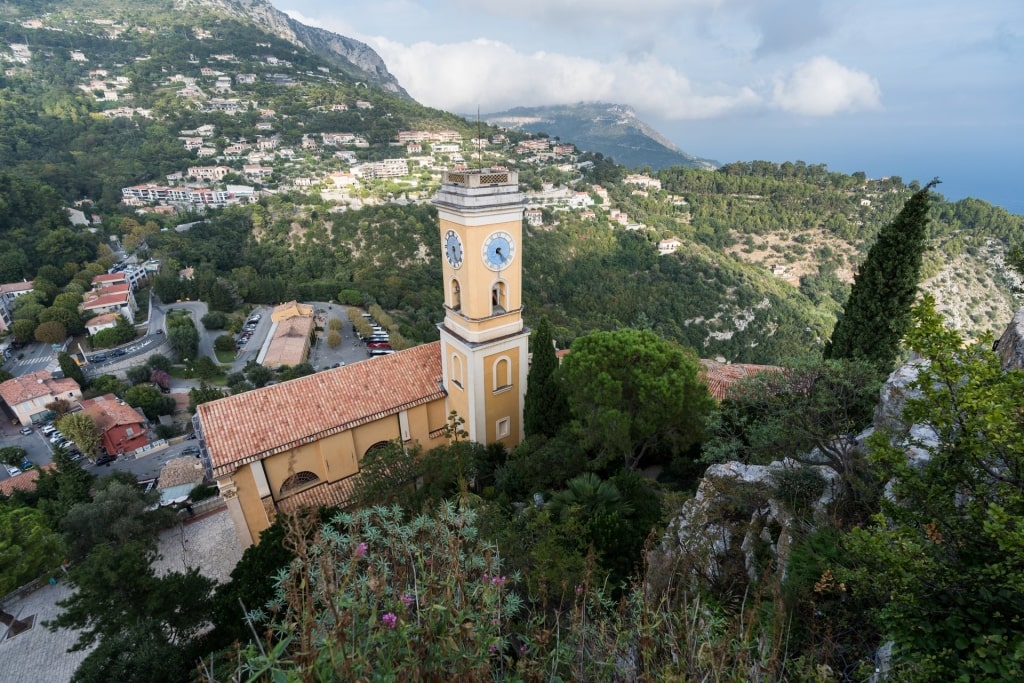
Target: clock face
[
  {"x": 453, "y": 249},
  {"x": 499, "y": 250}
]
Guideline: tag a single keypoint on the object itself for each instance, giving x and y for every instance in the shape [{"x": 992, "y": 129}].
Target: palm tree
[{"x": 589, "y": 494}]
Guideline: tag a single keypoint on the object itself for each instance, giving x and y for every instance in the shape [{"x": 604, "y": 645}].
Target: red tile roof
[
  {"x": 26, "y": 481},
  {"x": 106, "y": 300},
  {"x": 253, "y": 425},
  {"x": 36, "y": 384},
  {"x": 720, "y": 376},
  {"x": 108, "y": 411}
]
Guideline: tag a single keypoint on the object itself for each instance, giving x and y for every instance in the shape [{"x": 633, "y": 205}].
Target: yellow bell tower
[{"x": 484, "y": 343}]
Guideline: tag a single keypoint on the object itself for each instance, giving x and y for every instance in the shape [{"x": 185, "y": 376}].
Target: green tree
[
  {"x": 545, "y": 409},
  {"x": 51, "y": 332},
  {"x": 28, "y": 546},
  {"x": 132, "y": 616},
  {"x": 257, "y": 374},
  {"x": 151, "y": 400},
  {"x": 205, "y": 368},
  {"x": 23, "y": 330},
  {"x": 159, "y": 362},
  {"x": 70, "y": 368},
  {"x": 204, "y": 393},
  {"x": 945, "y": 562},
  {"x": 333, "y": 338},
  {"x": 60, "y": 488},
  {"x": 107, "y": 384},
  {"x": 809, "y": 412},
  {"x": 633, "y": 394},
  {"x": 82, "y": 429},
  {"x": 877, "y": 313},
  {"x": 12, "y": 455}
]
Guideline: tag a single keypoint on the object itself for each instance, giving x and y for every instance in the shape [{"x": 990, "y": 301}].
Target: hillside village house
[
  {"x": 300, "y": 443},
  {"x": 27, "y": 396},
  {"x": 8, "y": 293},
  {"x": 117, "y": 299},
  {"x": 122, "y": 428}
]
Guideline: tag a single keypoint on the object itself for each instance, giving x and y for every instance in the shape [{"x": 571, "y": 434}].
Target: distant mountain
[
  {"x": 353, "y": 53},
  {"x": 611, "y": 129}
]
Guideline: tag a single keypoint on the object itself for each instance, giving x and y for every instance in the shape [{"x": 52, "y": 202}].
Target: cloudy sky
[{"x": 890, "y": 87}]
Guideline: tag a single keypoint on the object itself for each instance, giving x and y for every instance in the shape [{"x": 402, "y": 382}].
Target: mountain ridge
[
  {"x": 320, "y": 41},
  {"x": 611, "y": 129}
]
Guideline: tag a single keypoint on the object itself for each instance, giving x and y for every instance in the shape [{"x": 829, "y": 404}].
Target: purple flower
[
  {"x": 361, "y": 550},
  {"x": 409, "y": 600},
  {"x": 389, "y": 620},
  {"x": 492, "y": 649},
  {"x": 498, "y": 580},
  {"x": 523, "y": 649}
]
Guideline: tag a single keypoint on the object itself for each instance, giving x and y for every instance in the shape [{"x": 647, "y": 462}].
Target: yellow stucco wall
[{"x": 504, "y": 403}]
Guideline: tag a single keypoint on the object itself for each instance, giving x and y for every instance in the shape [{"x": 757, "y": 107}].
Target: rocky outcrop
[
  {"x": 1010, "y": 347},
  {"x": 736, "y": 521},
  {"x": 351, "y": 56}
]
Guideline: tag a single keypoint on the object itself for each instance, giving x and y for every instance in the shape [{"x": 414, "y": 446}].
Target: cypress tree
[
  {"x": 70, "y": 368},
  {"x": 877, "y": 312},
  {"x": 545, "y": 407}
]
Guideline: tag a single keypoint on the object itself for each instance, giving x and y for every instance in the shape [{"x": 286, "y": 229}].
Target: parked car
[
  {"x": 378, "y": 345},
  {"x": 47, "y": 429},
  {"x": 97, "y": 358},
  {"x": 12, "y": 470},
  {"x": 191, "y": 450},
  {"x": 26, "y": 430},
  {"x": 27, "y": 464},
  {"x": 56, "y": 436},
  {"x": 116, "y": 353},
  {"x": 105, "y": 459}
]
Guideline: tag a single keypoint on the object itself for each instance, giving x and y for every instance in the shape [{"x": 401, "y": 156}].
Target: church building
[{"x": 300, "y": 443}]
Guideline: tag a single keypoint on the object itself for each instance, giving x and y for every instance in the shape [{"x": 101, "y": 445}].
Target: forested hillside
[{"x": 109, "y": 91}]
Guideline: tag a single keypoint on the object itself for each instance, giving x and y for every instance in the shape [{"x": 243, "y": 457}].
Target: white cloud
[
  {"x": 822, "y": 87},
  {"x": 460, "y": 77}
]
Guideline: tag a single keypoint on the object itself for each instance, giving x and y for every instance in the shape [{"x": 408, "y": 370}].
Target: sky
[{"x": 908, "y": 88}]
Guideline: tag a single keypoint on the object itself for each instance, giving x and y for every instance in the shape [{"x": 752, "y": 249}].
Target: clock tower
[{"x": 484, "y": 343}]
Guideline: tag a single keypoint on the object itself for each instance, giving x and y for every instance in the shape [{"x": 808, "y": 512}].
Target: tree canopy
[{"x": 633, "y": 394}]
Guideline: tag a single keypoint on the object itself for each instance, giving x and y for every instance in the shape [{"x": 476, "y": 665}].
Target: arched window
[
  {"x": 499, "y": 297},
  {"x": 456, "y": 370},
  {"x": 372, "y": 451},
  {"x": 298, "y": 480},
  {"x": 502, "y": 374},
  {"x": 456, "y": 295}
]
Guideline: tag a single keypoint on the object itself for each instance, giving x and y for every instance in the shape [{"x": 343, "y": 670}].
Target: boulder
[
  {"x": 734, "y": 523},
  {"x": 1010, "y": 347}
]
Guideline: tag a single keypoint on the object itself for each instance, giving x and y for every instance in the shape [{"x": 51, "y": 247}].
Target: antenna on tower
[{"x": 479, "y": 149}]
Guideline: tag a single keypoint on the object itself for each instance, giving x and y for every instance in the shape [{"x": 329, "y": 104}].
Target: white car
[
  {"x": 11, "y": 470},
  {"x": 55, "y": 437}
]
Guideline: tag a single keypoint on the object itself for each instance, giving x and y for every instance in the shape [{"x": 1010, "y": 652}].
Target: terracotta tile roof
[
  {"x": 107, "y": 412},
  {"x": 26, "y": 481},
  {"x": 289, "y": 344},
  {"x": 179, "y": 471},
  {"x": 102, "y": 319},
  {"x": 720, "y": 376},
  {"x": 14, "y": 287},
  {"x": 340, "y": 493},
  {"x": 251, "y": 426},
  {"x": 108, "y": 277},
  {"x": 106, "y": 300},
  {"x": 36, "y": 384}
]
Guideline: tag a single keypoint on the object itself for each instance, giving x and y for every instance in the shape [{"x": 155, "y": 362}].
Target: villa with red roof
[
  {"x": 122, "y": 428},
  {"x": 29, "y": 394}
]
